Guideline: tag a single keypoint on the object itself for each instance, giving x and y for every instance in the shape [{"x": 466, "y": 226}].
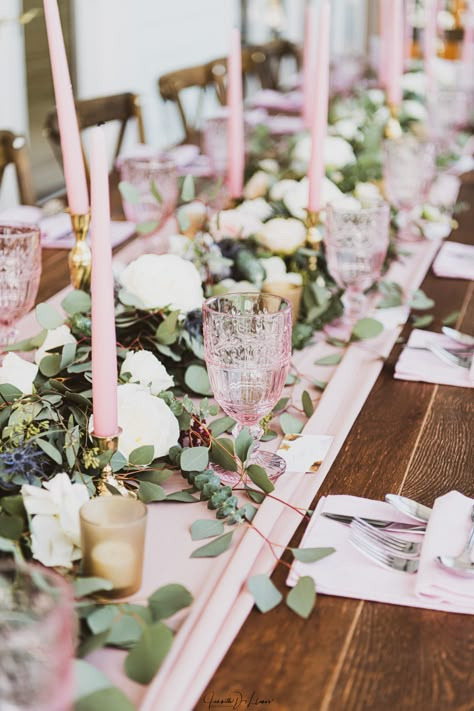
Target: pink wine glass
[
  {"x": 247, "y": 342},
  {"x": 356, "y": 242},
  {"x": 37, "y": 638},
  {"x": 20, "y": 271}
]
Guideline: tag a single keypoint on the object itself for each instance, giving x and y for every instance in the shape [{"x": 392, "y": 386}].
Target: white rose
[
  {"x": 275, "y": 268},
  {"x": 146, "y": 370},
  {"x": 346, "y": 128},
  {"x": 280, "y": 189},
  {"x": 337, "y": 152},
  {"x": 257, "y": 186},
  {"x": 180, "y": 246},
  {"x": 55, "y": 527},
  {"x": 414, "y": 110},
  {"x": 230, "y": 286},
  {"x": 258, "y": 208},
  {"x": 297, "y": 196},
  {"x": 233, "y": 223},
  {"x": 18, "y": 372},
  {"x": 376, "y": 96},
  {"x": 192, "y": 217},
  {"x": 282, "y": 235},
  {"x": 302, "y": 150},
  {"x": 55, "y": 338},
  {"x": 366, "y": 192},
  {"x": 160, "y": 280},
  {"x": 145, "y": 420},
  {"x": 290, "y": 278},
  {"x": 269, "y": 165}
]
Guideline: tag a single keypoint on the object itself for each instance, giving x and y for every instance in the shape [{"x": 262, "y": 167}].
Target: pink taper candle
[
  {"x": 468, "y": 43},
  {"x": 104, "y": 348},
  {"x": 236, "y": 148},
  {"x": 429, "y": 44},
  {"x": 320, "y": 111},
  {"x": 309, "y": 63},
  {"x": 395, "y": 60},
  {"x": 73, "y": 160},
  {"x": 384, "y": 41}
]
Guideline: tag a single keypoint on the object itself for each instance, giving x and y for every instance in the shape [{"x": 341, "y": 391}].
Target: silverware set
[
  {"x": 460, "y": 356},
  {"x": 373, "y": 538}
]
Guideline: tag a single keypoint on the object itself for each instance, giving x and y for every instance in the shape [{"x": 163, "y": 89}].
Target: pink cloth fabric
[
  {"x": 426, "y": 367},
  {"x": 349, "y": 573},
  {"x": 455, "y": 261},
  {"x": 278, "y": 101}
]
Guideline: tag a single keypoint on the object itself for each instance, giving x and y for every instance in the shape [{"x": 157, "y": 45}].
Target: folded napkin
[
  {"x": 56, "y": 232},
  {"x": 455, "y": 260},
  {"x": 277, "y": 100},
  {"x": 446, "y": 534},
  {"x": 424, "y": 366},
  {"x": 349, "y": 573},
  {"x": 282, "y": 124}
]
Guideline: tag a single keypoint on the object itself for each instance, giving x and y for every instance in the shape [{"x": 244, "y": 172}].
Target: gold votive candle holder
[
  {"x": 287, "y": 290},
  {"x": 113, "y": 542}
]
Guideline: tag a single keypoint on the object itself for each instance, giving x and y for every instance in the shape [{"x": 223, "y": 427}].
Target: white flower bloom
[
  {"x": 160, "y": 280},
  {"x": 280, "y": 189},
  {"x": 275, "y": 268},
  {"x": 297, "y": 196},
  {"x": 55, "y": 527},
  {"x": 366, "y": 192},
  {"x": 282, "y": 235},
  {"x": 18, "y": 372},
  {"x": 346, "y": 128},
  {"x": 191, "y": 217},
  {"x": 290, "y": 278},
  {"x": 269, "y": 165},
  {"x": 414, "y": 83},
  {"x": 180, "y": 246},
  {"x": 337, "y": 152},
  {"x": 230, "y": 286},
  {"x": 414, "y": 110},
  {"x": 55, "y": 338},
  {"x": 257, "y": 186},
  {"x": 145, "y": 420},
  {"x": 258, "y": 208},
  {"x": 382, "y": 115},
  {"x": 233, "y": 223},
  {"x": 146, "y": 370},
  {"x": 376, "y": 96}
]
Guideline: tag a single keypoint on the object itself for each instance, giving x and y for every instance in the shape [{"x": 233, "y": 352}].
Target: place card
[{"x": 304, "y": 452}]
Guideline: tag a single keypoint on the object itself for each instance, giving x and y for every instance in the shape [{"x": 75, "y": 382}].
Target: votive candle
[
  {"x": 73, "y": 159},
  {"x": 320, "y": 110},
  {"x": 235, "y": 134},
  {"x": 104, "y": 348}
]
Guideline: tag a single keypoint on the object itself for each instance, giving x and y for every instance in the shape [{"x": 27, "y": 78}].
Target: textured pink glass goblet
[
  {"x": 20, "y": 271},
  {"x": 37, "y": 639},
  {"x": 247, "y": 342},
  {"x": 156, "y": 180}
]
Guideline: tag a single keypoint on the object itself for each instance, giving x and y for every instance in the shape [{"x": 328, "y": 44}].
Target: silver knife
[{"x": 394, "y": 526}]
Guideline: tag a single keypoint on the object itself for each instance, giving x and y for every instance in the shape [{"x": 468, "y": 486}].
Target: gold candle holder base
[
  {"x": 393, "y": 130},
  {"x": 107, "y": 477},
  {"x": 313, "y": 237},
  {"x": 80, "y": 257}
]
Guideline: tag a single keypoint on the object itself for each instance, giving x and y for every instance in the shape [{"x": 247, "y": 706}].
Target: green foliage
[
  {"x": 302, "y": 597},
  {"x": 264, "y": 592}
]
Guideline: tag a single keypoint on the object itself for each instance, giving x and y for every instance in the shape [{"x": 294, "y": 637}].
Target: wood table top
[{"x": 410, "y": 438}]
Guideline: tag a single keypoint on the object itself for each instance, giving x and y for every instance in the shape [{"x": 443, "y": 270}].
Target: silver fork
[
  {"x": 378, "y": 555},
  {"x": 462, "y": 361},
  {"x": 391, "y": 544}
]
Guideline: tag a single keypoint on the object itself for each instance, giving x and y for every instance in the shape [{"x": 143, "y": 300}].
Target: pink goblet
[{"x": 247, "y": 342}]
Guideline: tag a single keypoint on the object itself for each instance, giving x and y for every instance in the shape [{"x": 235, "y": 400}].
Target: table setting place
[{"x": 394, "y": 551}]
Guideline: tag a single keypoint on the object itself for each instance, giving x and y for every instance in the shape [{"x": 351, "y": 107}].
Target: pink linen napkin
[
  {"x": 277, "y": 100},
  {"x": 446, "y": 534},
  {"x": 425, "y": 367},
  {"x": 349, "y": 573},
  {"x": 455, "y": 260}
]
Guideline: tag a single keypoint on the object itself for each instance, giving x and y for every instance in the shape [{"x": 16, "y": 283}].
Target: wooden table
[{"x": 410, "y": 438}]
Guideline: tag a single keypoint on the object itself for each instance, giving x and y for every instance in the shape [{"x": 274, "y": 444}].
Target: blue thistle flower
[{"x": 25, "y": 464}]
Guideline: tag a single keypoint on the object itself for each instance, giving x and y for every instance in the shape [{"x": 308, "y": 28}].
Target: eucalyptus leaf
[
  {"x": 311, "y": 555},
  {"x": 221, "y": 425},
  {"x": 9, "y": 393},
  {"x": 146, "y": 228},
  {"x": 290, "y": 424},
  {"x": 168, "y": 600},
  {"x": 222, "y": 453},
  {"x": 142, "y": 456},
  {"x": 76, "y": 302},
  {"x": 214, "y": 548},
  {"x": 68, "y": 354},
  {"x": 146, "y": 657},
  {"x": 118, "y": 461},
  {"x": 333, "y": 359},
  {"x": 127, "y": 629},
  {"x": 188, "y": 191},
  {"x": 281, "y": 404},
  {"x": 182, "y": 497},
  {"x": 50, "y": 450},
  {"x": 421, "y": 302},
  {"x": 155, "y": 192},
  {"x": 87, "y": 586},
  {"x": 243, "y": 443},
  {"x": 167, "y": 332},
  {"x": 48, "y": 317},
  {"x": 102, "y": 618},
  {"x": 130, "y": 193},
  {"x": 451, "y": 318},
  {"x": 422, "y": 321},
  {"x": 366, "y": 328},
  {"x": 264, "y": 592},
  {"x": 291, "y": 379},
  {"x": 260, "y": 478},
  {"x": 197, "y": 380},
  {"x": 149, "y": 492},
  {"x": 307, "y": 403},
  {"x": 320, "y": 384},
  {"x": 206, "y": 528},
  {"x": 194, "y": 459},
  {"x": 110, "y": 699},
  {"x": 92, "y": 642},
  {"x": 268, "y": 436},
  {"x": 11, "y": 527},
  {"x": 302, "y": 597},
  {"x": 50, "y": 365},
  {"x": 155, "y": 477}
]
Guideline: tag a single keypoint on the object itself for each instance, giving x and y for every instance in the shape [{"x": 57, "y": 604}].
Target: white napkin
[{"x": 455, "y": 260}]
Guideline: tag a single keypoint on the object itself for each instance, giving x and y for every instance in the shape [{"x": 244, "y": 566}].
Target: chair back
[
  {"x": 90, "y": 112},
  {"x": 13, "y": 150},
  {"x": 275, "y": 52},
  {"x": 172, "y": 86}
]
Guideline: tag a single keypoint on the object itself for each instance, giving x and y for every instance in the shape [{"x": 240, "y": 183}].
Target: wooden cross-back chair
[
  {"x": 90, "y": 112},
  {"x": 13, "y": 150},
  {"x": 172, "y": 84},
  {"x": 276, "y": 51}
]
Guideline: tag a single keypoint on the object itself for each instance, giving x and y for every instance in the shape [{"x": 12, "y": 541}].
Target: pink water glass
[
  {"x": 247, "y": 342},
  {"x": 356, "y": 240},
  {"x": 20, "y": 272},
  {"x": 408, "y": 170},
  {"x": 155, "y": 179},
  {"x": 37, "y": 639}
]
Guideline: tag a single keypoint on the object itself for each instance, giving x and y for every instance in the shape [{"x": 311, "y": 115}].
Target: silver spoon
[
  {"x": 462, "y": 563},
  {"x": 458, "y": 336},
  {"x": 409, "y": 507}
]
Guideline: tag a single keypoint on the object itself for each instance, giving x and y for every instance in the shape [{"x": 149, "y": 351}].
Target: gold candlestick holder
[
  {"x": 313, "y": 235},
  {"x": 107, "y": 477},
  {"x": 80, "y": 257},
  {"x": 393, "y": 130}
]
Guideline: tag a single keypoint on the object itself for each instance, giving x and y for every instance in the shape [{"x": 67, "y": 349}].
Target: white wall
[{"x": 13, "y": 103}]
